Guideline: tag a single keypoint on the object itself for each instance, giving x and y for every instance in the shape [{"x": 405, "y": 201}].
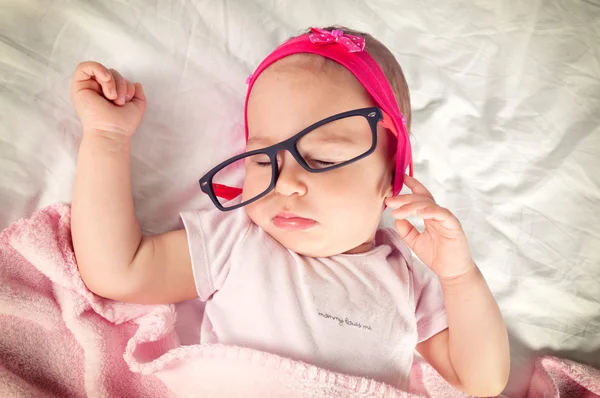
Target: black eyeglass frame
[{"x": 373, "y": 115}]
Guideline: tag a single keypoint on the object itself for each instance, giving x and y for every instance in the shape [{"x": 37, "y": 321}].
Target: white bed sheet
[{"x": 506, "y": 102}]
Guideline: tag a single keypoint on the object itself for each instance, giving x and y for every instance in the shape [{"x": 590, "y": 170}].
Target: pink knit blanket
[{"x": 59, "y": 339}]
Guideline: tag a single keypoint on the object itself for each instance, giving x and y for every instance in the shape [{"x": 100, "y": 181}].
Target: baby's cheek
[
  {"x": 253, "y": 212},
  {"x": 248, "y": 189},
  {"x": 366, "y": 204}
]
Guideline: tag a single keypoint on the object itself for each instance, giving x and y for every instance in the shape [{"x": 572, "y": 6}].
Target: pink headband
[{"x": 348, "y": 51}]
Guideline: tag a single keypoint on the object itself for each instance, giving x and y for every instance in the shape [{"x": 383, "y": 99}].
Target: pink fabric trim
[
  {"x": 66, "y": 341},
  {"x": 39, "y": 273}
]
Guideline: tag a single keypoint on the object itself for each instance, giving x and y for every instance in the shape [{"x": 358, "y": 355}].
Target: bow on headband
[{"x": 351, "y": 43}]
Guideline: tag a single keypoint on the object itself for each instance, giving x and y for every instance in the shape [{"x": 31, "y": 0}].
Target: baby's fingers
[
  {"x": 397, "y": 201},
  {"x": 416, "y": 187},
  {"x": 443, "y": 215},
  {"x": 121, "y": 86},
  {"x": 90, "y": 69},
  {"x": 428, "y": 211},
  {"x": 410, "y": 209},
  {"x": 93, "y": 75},
  {"x": 139, "y": 99},
  {"x": 130, "y": 91},
  {"x": 407, "y": 232}
]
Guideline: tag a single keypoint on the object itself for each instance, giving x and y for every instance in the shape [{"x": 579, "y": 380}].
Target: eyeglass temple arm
[
  {"x": 386, "y": 122},
  {"x": 226, "y": 192}
]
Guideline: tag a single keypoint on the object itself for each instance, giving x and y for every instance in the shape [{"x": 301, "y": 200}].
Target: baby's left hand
[{"x": 443, "y": 245}]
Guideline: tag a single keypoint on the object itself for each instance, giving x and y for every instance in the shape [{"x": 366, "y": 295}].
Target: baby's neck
[{"x": 365, "y": 247}]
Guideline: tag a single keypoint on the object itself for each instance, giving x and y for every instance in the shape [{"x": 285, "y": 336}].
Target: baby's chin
[
  {"x": 308, "y": 243},
  {"x": 304, "y": 247}
]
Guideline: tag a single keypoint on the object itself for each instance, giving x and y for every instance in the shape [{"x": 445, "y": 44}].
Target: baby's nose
[{"x": 291, "y": 176}]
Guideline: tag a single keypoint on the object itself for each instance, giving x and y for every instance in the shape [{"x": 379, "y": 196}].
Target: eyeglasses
[{"x": 329, "y": 144}]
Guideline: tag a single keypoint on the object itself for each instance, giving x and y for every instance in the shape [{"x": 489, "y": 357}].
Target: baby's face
[{"x": 342, "y": 207}]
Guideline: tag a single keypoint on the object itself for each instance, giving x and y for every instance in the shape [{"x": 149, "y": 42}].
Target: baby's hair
[{"x": 388, "y": 64}]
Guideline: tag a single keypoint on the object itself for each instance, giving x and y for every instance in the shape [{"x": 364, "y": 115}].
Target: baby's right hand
[{"x": 105, "y": 101}]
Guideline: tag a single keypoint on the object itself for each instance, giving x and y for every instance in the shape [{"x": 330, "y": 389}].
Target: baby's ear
[
  {"x": 390, "y": 188},
  {"x": 392, "y": 170},
  {"x": 390, "y": 192}
]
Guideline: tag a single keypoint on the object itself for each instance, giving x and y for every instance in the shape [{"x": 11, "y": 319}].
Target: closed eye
[
  {"x": 320, "y": 164},
  {"x": 259, "y": 160}
]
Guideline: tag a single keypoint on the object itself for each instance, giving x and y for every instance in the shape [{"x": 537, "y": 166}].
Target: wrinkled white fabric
[{"x": 505, "y": 124}]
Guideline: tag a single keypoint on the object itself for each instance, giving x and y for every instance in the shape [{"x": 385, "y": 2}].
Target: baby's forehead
[
  {"x": 310, "y": 66},
  {"x": 344, "y": 131},
  {"x": 298, "y": 91}
]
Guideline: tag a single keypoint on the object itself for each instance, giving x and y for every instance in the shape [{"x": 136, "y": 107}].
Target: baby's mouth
[{"x": 291, "y": 221}]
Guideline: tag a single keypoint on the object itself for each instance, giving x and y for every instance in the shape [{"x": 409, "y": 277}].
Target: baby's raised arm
[
  {"x": 114, "y": 259},
  {"x": 473, "y": 353}
]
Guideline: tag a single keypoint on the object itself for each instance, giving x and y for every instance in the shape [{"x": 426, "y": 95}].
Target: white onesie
[{"x": 360, "y": 314}]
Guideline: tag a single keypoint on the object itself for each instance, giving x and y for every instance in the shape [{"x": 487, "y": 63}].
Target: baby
[{"x": 293, "y": 262}]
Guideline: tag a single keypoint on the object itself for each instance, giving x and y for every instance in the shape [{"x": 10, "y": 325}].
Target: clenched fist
[{"x": 105, "y": 101}]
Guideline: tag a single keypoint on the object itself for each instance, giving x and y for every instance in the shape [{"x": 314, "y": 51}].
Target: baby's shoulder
[
  {"x": 389, "y": 237},
  {"x": 216, "y": 222}
]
